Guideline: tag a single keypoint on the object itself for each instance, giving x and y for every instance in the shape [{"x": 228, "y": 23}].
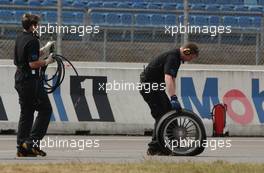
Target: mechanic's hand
[
  {"x": 46, "y": 49},
  {"x": 175, "y": 104},
  {"x": 50, "y": 59}
]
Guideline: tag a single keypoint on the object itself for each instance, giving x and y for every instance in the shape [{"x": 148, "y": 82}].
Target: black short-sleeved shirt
[
  {"x": 166, "y": 63},
  {"x": 26, "y": 50}
]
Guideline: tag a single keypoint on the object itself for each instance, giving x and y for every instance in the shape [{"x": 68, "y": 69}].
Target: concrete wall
[{"x": 80, "y": 105}]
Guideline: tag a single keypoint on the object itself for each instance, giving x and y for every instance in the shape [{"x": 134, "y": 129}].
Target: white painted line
[{"x": 87, "y": 85}]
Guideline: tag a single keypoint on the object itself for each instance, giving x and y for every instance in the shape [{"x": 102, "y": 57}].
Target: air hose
[{"x": 57, "y": 78}]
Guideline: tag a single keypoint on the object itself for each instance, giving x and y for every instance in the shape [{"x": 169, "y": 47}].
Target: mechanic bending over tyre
[
  {"x": 163, "y": 69},
  {"x": 29, "y": 59}
]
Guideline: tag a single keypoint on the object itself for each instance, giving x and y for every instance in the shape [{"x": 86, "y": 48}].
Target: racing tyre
[{"x": 181, "y": 133}]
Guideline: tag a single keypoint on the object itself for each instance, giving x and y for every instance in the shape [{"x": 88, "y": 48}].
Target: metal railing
[{"x": 234, "y": 48}]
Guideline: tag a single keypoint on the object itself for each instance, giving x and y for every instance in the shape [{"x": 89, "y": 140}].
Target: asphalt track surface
[{"x": 124, "y": 149}]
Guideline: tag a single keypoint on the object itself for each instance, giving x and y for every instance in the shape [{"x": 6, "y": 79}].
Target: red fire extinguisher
[{"x": 219, "y": 119}]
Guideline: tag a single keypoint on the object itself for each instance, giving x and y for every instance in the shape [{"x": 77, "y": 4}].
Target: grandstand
[
  {"x": 11, "y": 16},
  {"x": 129, "y": 28}
]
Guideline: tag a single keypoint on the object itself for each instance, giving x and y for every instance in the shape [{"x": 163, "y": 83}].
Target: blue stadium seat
[
  {"x": 140, "y": 5},
  {"x": 170, "y": 19},
  {"x": 126, "y": 19},
  {"x": 7, "y": 16},
  {"x": 43, "y": 17},
  {"x": 79, "y": 17},
  {"x": 98, "y": 18},
  {"x": 230, "y": 21},
  {"x": 67, "y": 3},
  {"x": 113, "y": 19},
  {"x": 213, "y": 7},
  {"x": 239, "y": 2},
  {"x": 49, "y": 3},
  {"x": 257, "y": 22},
  {"x": 109, "y": 4},
  {"x": 154, "y": 6},
  {"x": 228, "y": 8},
  {"x": 68, "y": 17},
  {"x": 222, "y": 2},
  {"x": 51, "y": 16},
  {"x": 20, "y": 2},
  {"x": 193, "y": 1},
  {"x": 180, "y": 1},
  {"x": 158, "y": 20},
  {"x": 18, "y": 14},
  {"x": 124, "y": 5},
  {"x": 34, "y": 3},
  {"x": 241, "y": 8},
  {"x": 37, "y": 12},
  {"x": 257, "y": 8},
  {"x": 5, "y": 1},
  {"x": 94, "y": 4},
  {"x": 169, "y": 6},
  {"x": 78, "y": 3},
  {"x": 260, "y": 2},
  {"x": 214, "y": 20},
  {"x": 245, "y": 21},
  {"x": 201, "y": 7},
  {"x": 142, "y": 19},
  {"x": 210, "y": 2},
  {"x": 191, "y": 20},
  {"x": 234, "y": 2},
  {"x": 201, "y": 20},
  {"x": 180, "y": 6}
]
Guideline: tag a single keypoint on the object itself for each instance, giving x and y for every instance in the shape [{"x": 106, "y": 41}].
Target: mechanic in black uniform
[
  {"x": 32, "y": 96},
  {"x": 163, "y": 70}
]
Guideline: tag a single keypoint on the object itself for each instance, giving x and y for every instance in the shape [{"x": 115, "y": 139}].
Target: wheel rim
[{"x": 182, "y": 135}]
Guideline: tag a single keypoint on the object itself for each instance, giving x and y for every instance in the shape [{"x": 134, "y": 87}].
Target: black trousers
[
  {"x": 32, "y": 97},
  {"x": 159, "y": 104}
]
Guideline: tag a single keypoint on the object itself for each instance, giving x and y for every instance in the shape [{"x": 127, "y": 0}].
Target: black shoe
[
  {"x": 32, "y": 150},
  {"x": 39, "y": 152},
  {"x": 22, "y": 152},
  {"x": 152, "y": 152}
]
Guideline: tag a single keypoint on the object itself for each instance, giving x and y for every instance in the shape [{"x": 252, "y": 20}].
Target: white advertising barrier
[{"x": 104, "y": 98}]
